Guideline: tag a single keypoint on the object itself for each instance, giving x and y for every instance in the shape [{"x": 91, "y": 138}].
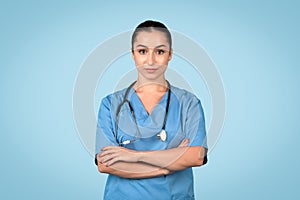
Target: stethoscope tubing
[{"x": 125, "y": 100}]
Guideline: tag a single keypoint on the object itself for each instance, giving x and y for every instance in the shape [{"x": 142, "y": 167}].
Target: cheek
[
  {"x": 163, "y": 61},
  {"x": 138, "y": 60}
]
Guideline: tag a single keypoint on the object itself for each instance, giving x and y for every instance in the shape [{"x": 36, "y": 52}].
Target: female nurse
[{"x": 151, "y": 134}]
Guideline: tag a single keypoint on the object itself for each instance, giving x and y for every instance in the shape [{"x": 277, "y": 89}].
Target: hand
[{"x": 113, "y": 154}]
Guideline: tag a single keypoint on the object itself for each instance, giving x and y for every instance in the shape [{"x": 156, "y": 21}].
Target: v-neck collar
[{"x": 139, "y": 108}]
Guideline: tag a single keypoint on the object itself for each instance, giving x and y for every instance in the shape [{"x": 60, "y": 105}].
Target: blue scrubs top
[{"x": 185, "y": 120}]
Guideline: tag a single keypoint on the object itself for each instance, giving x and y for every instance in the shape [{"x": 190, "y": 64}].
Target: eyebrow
[{"x": 144, "y": 46}]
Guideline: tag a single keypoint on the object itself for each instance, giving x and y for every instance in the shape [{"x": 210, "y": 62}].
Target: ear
[
  {"x": 132, "y": 53},
  {"x": 170, "y": 54}
]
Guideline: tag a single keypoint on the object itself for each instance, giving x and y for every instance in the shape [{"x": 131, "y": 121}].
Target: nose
[{"x": 150, "y": 58}]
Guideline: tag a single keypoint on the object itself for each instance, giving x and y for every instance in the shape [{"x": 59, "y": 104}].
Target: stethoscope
[{"x": 162, "y": 135}]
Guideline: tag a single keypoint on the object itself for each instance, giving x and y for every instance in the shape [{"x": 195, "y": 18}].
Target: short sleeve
[
  {"x": 195, "y": 124},
  {"x": 104, "y": 133}
]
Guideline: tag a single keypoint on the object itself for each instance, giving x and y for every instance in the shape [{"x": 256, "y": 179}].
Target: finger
[
  {"x": 108, "y": 150},
  {"x": 111, "y": 147},
  {"x": 104, "y": 153},
  {"x": 111, "y": 162},
  {"x": 98, "y": 157},
  {"x": 107, "y": 158},
  {"x": 184, "y": 143}
]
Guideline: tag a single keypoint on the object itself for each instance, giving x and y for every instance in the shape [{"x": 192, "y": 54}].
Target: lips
[{"x": 151, "y": 70}]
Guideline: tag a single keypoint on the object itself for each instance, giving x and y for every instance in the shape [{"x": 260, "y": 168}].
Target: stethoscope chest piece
[{"x": 162, "y": 135}]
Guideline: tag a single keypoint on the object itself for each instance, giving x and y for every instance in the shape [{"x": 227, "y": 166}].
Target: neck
[{"x": 159, "y": 85}]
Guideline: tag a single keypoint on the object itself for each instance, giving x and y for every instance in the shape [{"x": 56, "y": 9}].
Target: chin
[{"x": 152, "y": 77}]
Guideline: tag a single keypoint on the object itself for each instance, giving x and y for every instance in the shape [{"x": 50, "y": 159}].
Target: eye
[
  {"x": 160, "y": 51},
  {"x": 142, "y": 51}
]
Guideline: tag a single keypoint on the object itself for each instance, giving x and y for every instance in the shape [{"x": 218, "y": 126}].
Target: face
[{"x": 151, "y": 54}]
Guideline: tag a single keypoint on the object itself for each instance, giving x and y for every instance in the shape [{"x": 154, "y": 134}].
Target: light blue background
[{"x": 255, "y": 46}]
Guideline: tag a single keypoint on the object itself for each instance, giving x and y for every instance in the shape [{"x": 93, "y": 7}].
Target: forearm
[
  {"x": 174, "y": 159},
  {"x": 132, "y": 170}
]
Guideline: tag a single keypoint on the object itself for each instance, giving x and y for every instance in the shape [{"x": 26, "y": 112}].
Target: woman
[{"x": 150, "y": 134}]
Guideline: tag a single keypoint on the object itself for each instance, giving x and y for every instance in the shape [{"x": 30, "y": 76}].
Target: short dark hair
[{"x": 149, "y": 26}]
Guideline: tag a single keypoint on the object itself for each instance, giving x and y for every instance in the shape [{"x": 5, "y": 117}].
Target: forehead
[{"x": 151, "y": 39}]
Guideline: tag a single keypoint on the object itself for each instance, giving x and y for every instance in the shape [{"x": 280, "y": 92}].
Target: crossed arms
[{"x": 128, "y": 163}]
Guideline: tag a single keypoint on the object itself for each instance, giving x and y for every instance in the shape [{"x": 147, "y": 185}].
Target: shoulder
[
  {"x": 110, "y": 102},
  {"x": 114, "y": 97},
  {"x": 184, "y": 97}
]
